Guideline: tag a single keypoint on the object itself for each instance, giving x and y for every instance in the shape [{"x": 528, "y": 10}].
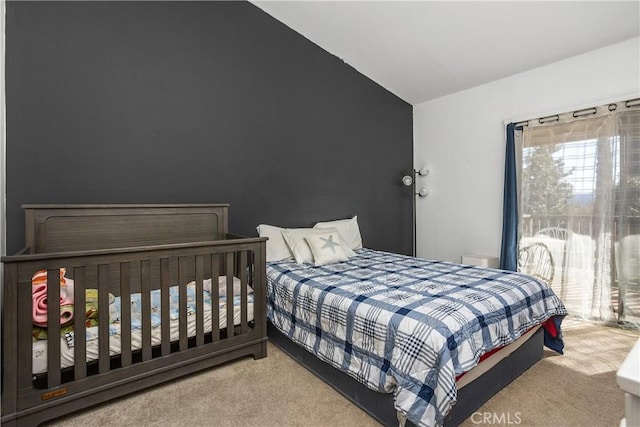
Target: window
[{"x": 579, "y": 198}]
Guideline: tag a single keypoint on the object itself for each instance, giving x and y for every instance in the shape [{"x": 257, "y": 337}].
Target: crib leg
[{"x": 261, "y": 351}]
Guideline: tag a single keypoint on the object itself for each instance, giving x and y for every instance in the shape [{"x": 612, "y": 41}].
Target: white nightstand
[
  {"x": 629, "y": 381},
  {"x": 480, "y": 260}
]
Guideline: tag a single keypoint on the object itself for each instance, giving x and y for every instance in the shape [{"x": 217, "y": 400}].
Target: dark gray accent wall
[{"x": 198, "y": 102}]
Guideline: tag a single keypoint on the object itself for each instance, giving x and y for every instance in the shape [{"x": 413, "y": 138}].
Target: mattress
[
  {"x": 92, "y": 342},
  {"x": 405, "y": 325},
  {"x": 493, "y": 359}
]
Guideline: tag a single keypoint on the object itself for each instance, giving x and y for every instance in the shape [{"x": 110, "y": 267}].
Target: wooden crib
[{"x": 209, "y": 287}]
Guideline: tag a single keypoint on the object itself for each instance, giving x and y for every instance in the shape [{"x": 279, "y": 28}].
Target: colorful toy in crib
[
  {"x": 39, "y": 297},
  {"x": 91, "y": 315},
  {"x": 91, "y": 304}
]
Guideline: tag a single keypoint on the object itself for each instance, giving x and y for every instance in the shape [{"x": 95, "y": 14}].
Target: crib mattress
[{"x": 39, "y": 353}]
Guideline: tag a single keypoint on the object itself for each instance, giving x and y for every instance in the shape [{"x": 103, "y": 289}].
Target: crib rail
[{"x": 192, "y": 339}]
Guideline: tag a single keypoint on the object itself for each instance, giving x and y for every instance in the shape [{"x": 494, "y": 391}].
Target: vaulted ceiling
[{"x": 421, "y": 50}]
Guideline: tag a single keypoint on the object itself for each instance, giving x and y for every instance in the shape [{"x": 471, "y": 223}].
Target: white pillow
[
  {"x": 295, "y": 238},
  {"x": 277, "y": 249},
  {"x": 326, "y": 247},
  {"x": 348, "y": 229}
]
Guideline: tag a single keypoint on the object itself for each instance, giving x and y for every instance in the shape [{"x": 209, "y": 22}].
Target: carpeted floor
[{"x": 575, "y": 389}]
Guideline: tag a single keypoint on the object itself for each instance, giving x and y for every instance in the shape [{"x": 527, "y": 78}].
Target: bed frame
[
  {"x": 381, "y": 406},
  {"x": 122, "y": 250}
]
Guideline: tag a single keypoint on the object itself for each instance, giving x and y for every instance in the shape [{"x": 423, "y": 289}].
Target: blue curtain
[{"x": 509, "y": 251}]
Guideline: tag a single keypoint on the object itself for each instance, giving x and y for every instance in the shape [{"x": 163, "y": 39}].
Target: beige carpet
[{"x": 576, "y": 389}]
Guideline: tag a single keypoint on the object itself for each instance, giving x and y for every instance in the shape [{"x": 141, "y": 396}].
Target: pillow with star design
[
  {"x": 348, "y": 229},
  {"x": 295, "y": 239},
  {"x": 327, "y": 248}
]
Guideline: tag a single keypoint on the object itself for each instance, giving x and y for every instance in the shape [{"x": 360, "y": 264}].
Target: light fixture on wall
[{"x": 410, "y": 181}]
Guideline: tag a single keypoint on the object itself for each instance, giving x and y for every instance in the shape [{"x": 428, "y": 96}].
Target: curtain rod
[{"x": 631, "y": 103}]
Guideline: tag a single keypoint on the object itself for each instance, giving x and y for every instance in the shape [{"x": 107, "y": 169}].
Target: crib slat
[
  {"x": 25, "y": 323},
  {"x": 165, "y": 347},
  {"x": 243, "y": 293},
  {"x": 79, "y": 326},
  {"x": 10, "y": 327},
  {"x": 229, "y": 272},
  {"x": 103, "y": 318},
  {"x": 125, "y": 314},
  {"x": 199, "y": 300},
  {"x": 145, "y": 290},
  {"x": 182, "y": 306},
  {"x": 53, "y": 328},
  {"x": 215, "y": 298}
]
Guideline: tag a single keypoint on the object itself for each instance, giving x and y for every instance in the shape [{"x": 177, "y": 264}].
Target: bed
[
  {"x": 148, "y": 293},
  {"x": 411, "y": 341}
]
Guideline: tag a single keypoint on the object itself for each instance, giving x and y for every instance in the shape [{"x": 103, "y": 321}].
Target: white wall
[{"x": 461, "y": 138}]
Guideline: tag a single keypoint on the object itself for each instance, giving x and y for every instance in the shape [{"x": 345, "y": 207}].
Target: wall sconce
[{"x": 410, "y": 181}]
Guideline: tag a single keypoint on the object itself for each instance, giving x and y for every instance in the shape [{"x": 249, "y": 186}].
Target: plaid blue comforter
[{"x": 405, "y": 325}]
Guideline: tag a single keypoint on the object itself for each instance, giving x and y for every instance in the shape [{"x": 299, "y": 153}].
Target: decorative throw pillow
[
  {"x": 295, "y": 238},
  {"x": 326, "y": 247},
  {"x": 277, "y": 248},
  {"x": 348, "y": 229}
]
